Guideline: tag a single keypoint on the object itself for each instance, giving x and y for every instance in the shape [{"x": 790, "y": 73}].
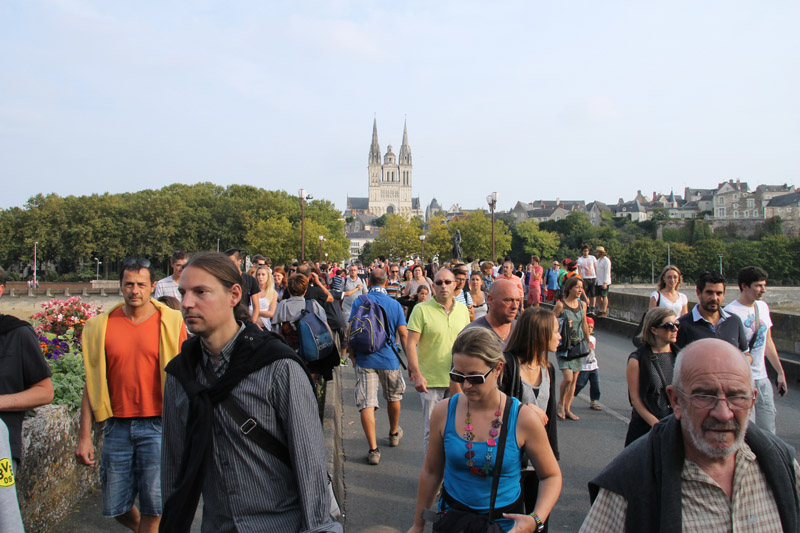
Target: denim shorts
[{"x": 131, "y": 465}]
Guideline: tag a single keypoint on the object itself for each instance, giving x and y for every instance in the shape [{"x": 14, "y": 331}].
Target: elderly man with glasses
[
  {"x": 432, "y": 328},
  {"x": 704, "y": 468}
]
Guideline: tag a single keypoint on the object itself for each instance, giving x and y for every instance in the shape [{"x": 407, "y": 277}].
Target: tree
[
  {"x": 536, "y": 241},
  {"x": 438, "y": 238},
  {"x": 399, "y": 239},
  {"x": 476, "y": 235}
]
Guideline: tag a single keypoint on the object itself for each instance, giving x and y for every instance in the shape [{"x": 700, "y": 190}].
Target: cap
[
  {"x": 600, "y": 249},
  {"x": 590, "y": 320}
]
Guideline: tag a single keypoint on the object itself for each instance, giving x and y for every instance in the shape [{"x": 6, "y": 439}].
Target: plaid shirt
[{"x": 705, "y": 506}]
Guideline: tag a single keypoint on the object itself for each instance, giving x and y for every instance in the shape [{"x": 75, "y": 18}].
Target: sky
[{"x": 579, "y": 100}]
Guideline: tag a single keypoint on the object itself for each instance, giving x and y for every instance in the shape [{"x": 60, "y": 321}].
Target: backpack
[
  {"x": 368, "y": 328},
  {"x": 308, "y": 335}
]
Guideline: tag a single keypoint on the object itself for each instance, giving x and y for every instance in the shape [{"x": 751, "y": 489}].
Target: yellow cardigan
[{"x": 94, "y": 354}]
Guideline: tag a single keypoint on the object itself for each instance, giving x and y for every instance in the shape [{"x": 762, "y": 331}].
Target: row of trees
[
  {"x": 71, "y": 231},
  {"x": 634, "y": 248}
]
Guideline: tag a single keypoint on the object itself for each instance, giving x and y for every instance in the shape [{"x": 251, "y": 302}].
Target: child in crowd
[{"x": 589, "y": 371}]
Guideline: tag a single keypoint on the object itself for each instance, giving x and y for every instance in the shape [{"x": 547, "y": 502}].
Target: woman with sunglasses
[
  {"x": 667, "y": 294},
  {"x": 464, "y": 438},
  {"x": 649, "y": 371}
]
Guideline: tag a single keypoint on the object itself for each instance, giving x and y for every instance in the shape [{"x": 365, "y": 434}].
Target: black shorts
[{"x": 588, "y": 286}]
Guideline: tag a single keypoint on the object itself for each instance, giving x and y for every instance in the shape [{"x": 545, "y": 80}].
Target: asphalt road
[{"x": 386, "y": 494}]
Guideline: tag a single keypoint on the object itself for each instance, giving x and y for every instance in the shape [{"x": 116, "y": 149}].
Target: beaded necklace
[{"x": 469, "y": 436}]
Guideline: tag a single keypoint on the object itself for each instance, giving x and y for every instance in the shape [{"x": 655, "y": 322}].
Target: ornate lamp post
[
  {"x": 321, "y": 239},
  {"x": 492, "y": 201},
  {"x": 422, "y": 248},
  {"x": 303, "y": 198},
  {"x": 96, "y": 260}
]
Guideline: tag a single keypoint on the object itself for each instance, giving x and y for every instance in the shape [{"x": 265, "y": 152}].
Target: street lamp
[
  {"x": 492, "y": 201},
  {"x": 720, "y": 264},
  {"x": 422, "y": 248},
  {"x": 96, "y": 260},
  {"x": 35, "y": 245},
  {"x": 321, "y": 239},
  {"x": 303, "y": 198}
]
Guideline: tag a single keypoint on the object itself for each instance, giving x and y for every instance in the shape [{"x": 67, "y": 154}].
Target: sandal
[
  {"x": 572, "y": 416},
  {"x": 595, "y": 406}
]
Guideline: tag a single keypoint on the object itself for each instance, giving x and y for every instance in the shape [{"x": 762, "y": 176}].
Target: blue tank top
[{"x": 475, "y": 491}]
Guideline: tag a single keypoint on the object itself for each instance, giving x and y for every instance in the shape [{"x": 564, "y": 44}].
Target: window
[
  {"x": 755, "y": 213},
  {"x": 721, "y": 200},
  {"x": 736, "y": 214},
  {"x": 751, "y": 202},
  {"x": 721, "y": 212},
  {"x": 735, "y": 196}
]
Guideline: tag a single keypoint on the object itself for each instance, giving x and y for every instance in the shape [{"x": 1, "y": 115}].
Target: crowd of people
[{"x": 205, "y": 381}]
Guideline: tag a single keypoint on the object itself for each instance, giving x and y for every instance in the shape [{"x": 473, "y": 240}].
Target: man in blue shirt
[{"x": 382, "y": 366}]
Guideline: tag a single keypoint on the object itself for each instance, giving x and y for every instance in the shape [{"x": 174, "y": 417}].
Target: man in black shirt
[
  {"x": 707, "y": 319},
  {"x": 250, "y": 288},
  {"x": 24, "y": 375}
]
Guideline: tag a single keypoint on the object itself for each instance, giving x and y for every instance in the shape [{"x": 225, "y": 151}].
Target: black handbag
[
  {"x": 461, "y": 519},
  {"x": 576, "y": 351}
]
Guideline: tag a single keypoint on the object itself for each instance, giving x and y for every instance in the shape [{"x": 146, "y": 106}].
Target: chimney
[
  {"x": 730, "y": 180},
  {"x": 620, "y": 202},
  {"x": 654, "y": 196}
]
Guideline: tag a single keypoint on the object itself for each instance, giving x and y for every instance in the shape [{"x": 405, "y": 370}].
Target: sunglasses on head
[
  {"x": 141, "y": 261},
  {"x": 672, "y": 326},
  {"x": 472, "y": 379},
  {"x": 441, "y": 282}
]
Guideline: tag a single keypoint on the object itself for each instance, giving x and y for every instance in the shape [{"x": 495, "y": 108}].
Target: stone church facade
[{"x": 389, "y": 182}]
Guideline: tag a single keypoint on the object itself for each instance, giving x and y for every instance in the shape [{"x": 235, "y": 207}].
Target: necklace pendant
[{"x": 496, "y": 423}]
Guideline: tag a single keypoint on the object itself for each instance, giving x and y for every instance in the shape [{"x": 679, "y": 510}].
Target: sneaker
[
  {"x": 394, "y": 438},
  {"x": 374, "y": 456},
  {"x": 595, "y": 406}
]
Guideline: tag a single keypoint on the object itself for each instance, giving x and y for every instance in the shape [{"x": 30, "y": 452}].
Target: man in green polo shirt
[{"x": 432, "y": 328}]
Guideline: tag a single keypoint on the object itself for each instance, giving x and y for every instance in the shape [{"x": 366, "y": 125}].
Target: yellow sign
[{"x": 6, "y": 473}]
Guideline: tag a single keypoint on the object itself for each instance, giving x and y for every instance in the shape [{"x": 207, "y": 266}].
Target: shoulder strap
[
  {"x": 389, "y": 340},
  {"x": 757, "y": 326},
  {"x": 658, "y": 302},
  {"x": 501, "y": 448},
  {"x": 248, "y": 426}
]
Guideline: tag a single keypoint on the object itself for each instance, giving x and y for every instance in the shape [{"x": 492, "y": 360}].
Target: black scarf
[{"x": 253, "y": 350}]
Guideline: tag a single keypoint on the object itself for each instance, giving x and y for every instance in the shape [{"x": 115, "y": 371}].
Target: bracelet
[{"x": 539, "y": 523}]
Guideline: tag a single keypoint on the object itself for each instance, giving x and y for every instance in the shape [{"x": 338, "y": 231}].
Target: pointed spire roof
[
  {"x": 374, "y": 148},
  {"x": 405, "y": 150}
]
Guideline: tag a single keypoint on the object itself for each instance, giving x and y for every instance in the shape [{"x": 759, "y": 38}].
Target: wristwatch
[{"x": 539, "y": 523}]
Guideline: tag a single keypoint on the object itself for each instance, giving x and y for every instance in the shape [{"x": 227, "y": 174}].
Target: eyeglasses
[
  {"x": 461, "y": 279},
  {"x": 131, "y": 261},
  {"x": 706, "y": 401},
  {"x": 441, "y": 282},
  {"x": 472, "y": 379},
  {"x": 672, "y": 326},
  {"x": 395, "y": 271}
]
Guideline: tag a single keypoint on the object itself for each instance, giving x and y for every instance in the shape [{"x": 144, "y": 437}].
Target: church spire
[
  {"x": 405, "y": 150},
  {"x": 374, "y": 148}
]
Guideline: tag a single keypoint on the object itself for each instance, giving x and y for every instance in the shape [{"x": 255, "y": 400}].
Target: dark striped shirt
[{"x": 247, "y": 489}]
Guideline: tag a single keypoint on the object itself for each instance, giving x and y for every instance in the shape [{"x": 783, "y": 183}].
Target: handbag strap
[
  {"x": 500, "y": 452},
  {"x": 249, "y": 427}
]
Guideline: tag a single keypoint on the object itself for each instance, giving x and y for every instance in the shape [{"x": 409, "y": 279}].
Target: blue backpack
[
  {"x": 369, "y": 328},
  {"x": 309, "y": 335}
]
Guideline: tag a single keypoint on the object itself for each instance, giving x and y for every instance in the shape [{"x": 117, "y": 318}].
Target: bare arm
[
  {"x": 558, "y": 309},
  {"x": 410, "y": 347},
  {"x": 532, "y": 435},
  {"x": 254, "y": 300},
  {"x": 40, "y": 393},
  {"x": 433, "y": 469},
  {"x": 270, "y": 312},
  {"x": 585, "y": 326},
  {"x": 632, "y": 376},
  {"x": 772, "y": 356},
  {"x": 85, "y": 451},
  {"x": 653, "y": 303}
]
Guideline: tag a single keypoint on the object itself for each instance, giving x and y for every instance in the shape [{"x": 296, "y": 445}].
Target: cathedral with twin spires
[{"x": 389, "y": 182}]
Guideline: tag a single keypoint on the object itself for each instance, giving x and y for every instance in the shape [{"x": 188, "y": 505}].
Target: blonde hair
[
  {"x": 269, "y": 288},
  {"x": 480, "y": 343},
  {"x": 662, "y": 284}
]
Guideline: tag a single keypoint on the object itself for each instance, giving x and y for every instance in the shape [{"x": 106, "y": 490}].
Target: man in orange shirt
[{"x": 125, "y": 352}]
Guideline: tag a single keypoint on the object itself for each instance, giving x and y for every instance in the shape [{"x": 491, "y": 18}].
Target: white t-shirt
[
  {"x": 590, "y": 363},
  {"x": 748, "y": 317},
  {"x": 677, "y": 307},
  {"x": 588, "y": 266}
]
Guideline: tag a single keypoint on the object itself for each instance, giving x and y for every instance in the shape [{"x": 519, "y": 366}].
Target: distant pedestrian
[
  {"x": 587, "y": 268},
  {"x": 535, "y": 282},
  {"x": 354, "y": 286},
  {"x": 169, "y": 286},
  {"x": 590, "y": 371},
  {"x": 667, "y": 295},
  {"x": 574, "y": 310},
  {"x": 478, "y": 294},
  {"x": 753, "y": 311},
  {"x": 603, "y": 282},
  {"x": 552, "y": 281}
]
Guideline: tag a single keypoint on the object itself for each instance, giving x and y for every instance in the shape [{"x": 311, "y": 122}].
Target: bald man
[
  {"x": 704, "y": 467},
  {"x": 504, "y": 303}
]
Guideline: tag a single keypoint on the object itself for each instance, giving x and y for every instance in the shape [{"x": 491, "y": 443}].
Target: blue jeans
[
  {"x": 131, "y": 465},
  {"x": 593, "y": 378}
]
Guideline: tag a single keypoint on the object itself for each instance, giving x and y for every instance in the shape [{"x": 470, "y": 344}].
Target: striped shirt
[
  {"x": 246, "y": 488},
  {"x": 705, "y": 506}
]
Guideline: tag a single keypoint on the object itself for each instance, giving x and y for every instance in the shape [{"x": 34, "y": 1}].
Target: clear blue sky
[{"x": 575, "y": 100}]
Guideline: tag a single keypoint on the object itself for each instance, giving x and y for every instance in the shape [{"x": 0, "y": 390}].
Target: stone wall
[{"x": 50, "y": 481}]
